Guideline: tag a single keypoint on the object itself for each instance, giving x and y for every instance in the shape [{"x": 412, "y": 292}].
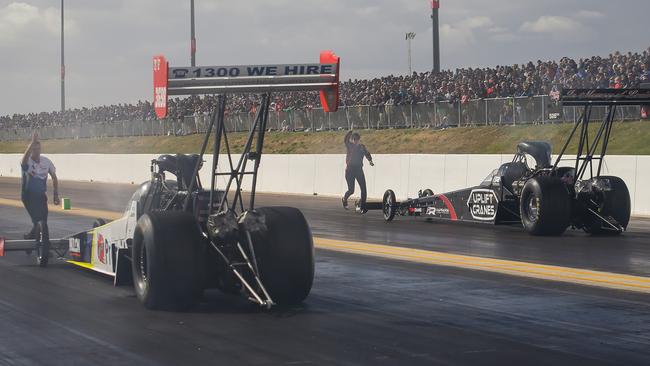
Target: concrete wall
[{"x": 323, "y": 174}]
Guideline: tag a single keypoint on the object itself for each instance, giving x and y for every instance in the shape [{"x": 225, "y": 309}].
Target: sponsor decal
[
  {"x": 101, "y": 243},
  {"x": 160, "y": 82},
  {"x": 482, "y": 204},
  {"x": 249, "y": 71},
  {"x": 75, "y": 247},
  {"x": 555, "y": 115},
  {"x": 102, "y": 248},
  {"x": 450, "y": 207},
  {"x": 434, "y": 211}
]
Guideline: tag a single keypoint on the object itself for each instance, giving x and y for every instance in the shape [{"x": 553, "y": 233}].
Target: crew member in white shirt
[{"x": 35, "y": 169}]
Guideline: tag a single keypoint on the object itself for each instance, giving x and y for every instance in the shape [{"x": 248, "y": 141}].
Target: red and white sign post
[{"x": 160, "y": 74}]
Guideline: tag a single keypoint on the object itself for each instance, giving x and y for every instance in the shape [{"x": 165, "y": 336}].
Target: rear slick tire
[
  {"x": 545, "y": 206},
  {"x": 285, "y": 255},
  {"x": 166, "y": 260},
  {"x": 616, "y": 203}
]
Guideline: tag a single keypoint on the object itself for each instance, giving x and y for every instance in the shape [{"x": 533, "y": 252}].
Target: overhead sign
[
  {"x": 250, "y": 71},
  {"x": 160, "y": 73},
  {"x": 482, "y": 204},
  {"x": 322, "y": 77}
]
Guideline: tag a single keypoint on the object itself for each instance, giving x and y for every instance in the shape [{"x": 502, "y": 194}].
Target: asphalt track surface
[{"x": 362, "y": 310}]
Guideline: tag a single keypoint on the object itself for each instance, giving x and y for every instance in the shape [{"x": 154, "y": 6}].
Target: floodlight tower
[
  {"x": 435, "y": 6},
  {"x": 409, "y": 37},
  {"x": 62, "y": 64},
  {"x": 192, "y": 36}
]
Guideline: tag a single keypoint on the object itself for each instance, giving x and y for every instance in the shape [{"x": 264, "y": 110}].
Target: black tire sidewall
[
  {"x": 616, "y": 203},
  {"x": 530, "y": 188},
  {"x": 390, "y": 215},
  {"x": 175, "y": 267},
  {"x": 554, "y": 215},
  {"x": 285, "y": 255}
]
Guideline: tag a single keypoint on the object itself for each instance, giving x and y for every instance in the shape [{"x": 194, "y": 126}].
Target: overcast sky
[{"x": 109, "y": 44}]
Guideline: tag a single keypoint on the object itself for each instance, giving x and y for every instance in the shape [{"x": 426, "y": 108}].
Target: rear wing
[
  {"x": 583, "y": 97},
  {"x": 322, "y": 77}
]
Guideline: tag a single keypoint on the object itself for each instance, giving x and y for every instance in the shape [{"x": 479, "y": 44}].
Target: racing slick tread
[
  {"x": 285, "y": 255},
  {"x": 172, "y": 260},
  {"x": 616, "y": 204},
  {"x": 554, "y": 212}
]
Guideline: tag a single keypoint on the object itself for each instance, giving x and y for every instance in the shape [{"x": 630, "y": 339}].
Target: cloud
[
  {"x": 473, "y": 30},
  {"x": 20, "y": 20},
  {"x": 552, "y": 24},
  {"x": 590, "y": 14},
  {"x": 476, "y": 22},
  {"x": 109, "y": 44},
  {"x": 463, "y": 32},
  {"x": 503, "y": 37}
]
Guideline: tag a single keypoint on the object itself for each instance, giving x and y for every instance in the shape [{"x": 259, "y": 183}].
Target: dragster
[
  {"x": 536, "y": 192},
  {"x": 178, "y": 237}
]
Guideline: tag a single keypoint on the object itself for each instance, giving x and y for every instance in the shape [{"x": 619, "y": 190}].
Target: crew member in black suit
[{"x": 354, "y": 168}]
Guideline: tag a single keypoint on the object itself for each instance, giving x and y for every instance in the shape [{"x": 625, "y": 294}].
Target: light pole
[
  {"x": 409, "y": 37},
  {"x": 62, "y": 64},
  {"x": 435, "y": 6},
  {"x": 192, "y": 35}
]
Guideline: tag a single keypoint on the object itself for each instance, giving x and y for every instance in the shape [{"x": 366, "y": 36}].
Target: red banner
[
  {"x": 160, "y": 73},
  {"x": 435, "y": 4}
]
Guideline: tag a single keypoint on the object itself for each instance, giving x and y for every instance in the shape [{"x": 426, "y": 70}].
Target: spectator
[{"x": 617, "y": 70}]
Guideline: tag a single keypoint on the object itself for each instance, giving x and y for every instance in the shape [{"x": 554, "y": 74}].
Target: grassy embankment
[{"x": 629, "y": 138}]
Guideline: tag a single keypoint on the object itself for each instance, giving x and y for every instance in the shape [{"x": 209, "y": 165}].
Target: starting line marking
[{"x": 509, "y": 267}]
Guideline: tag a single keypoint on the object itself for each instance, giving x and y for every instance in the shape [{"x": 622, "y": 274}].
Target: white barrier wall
[{"x": 324, "y": 174}]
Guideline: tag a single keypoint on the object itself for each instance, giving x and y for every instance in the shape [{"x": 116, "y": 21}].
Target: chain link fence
[{"x": 438, "y": 115}]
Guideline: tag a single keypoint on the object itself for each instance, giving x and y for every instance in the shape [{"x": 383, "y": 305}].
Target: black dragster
[{"x": 534, "y": 190}]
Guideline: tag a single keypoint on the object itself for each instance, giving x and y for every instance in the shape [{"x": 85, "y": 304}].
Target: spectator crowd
[{"x": 618, "y": 70}]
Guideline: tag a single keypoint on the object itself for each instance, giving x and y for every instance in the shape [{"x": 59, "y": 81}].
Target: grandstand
[{"x": 517, "y": 93}]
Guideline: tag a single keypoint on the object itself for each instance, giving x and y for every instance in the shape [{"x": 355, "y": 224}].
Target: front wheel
[
  {"x": 545, "y": 206},
  {"x": 99, "y": 222},
  {"x": 388, "y": 205}
]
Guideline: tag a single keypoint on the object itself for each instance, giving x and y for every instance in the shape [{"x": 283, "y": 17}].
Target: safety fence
[{"x": 437, "y": 115}]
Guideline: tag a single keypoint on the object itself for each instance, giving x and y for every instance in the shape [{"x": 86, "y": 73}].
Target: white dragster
[{"x": 178, "y": 238}]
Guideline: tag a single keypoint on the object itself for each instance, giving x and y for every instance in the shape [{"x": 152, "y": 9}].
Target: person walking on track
[
  {"x": 35, "y": 169},
  {"x": 354, "y": 168}
]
